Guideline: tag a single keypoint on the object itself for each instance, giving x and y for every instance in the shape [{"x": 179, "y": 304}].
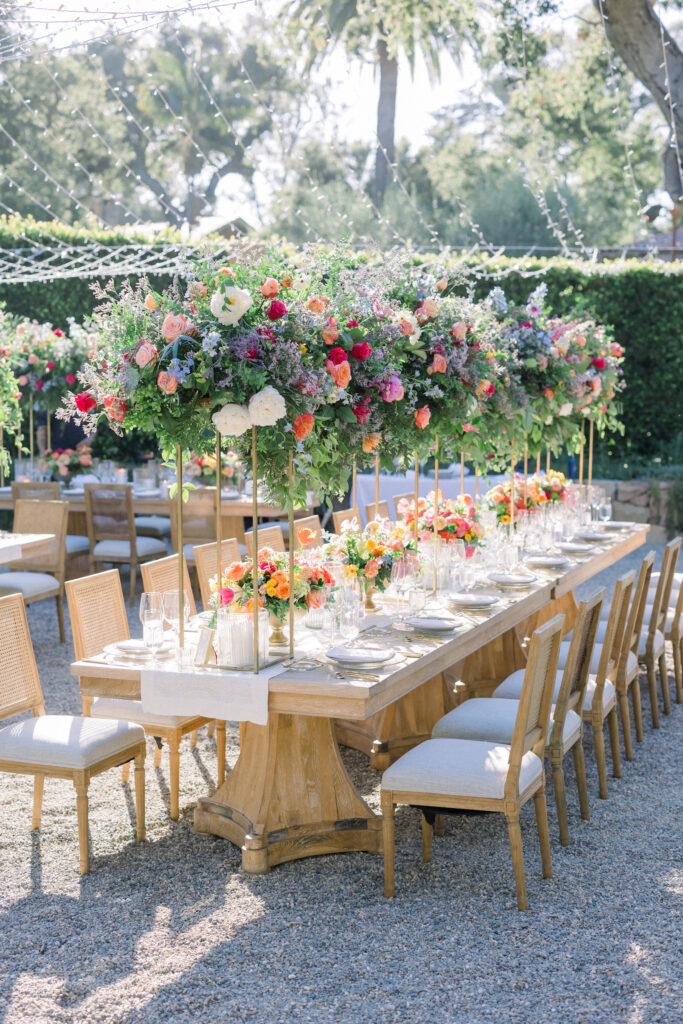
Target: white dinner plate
[
  {"x": 617, "y": 524},
  {"x": 145, "y": 492},
  {"x": 547, "y": 561},
  {"x": 512, "y": 579},
  {"x": 140, "y": 653},
  {"x": 360, "y": 655},
  {"x": 431, "y": 623},
  {"x": 465, "y": 600},
  {"x": 593, "y": 535},
  {"x": 576, "y": 547}
]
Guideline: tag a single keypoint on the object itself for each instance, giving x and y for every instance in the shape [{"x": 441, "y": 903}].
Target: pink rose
[
  {"x": 146, "y": 354},
  {"x": 85, "y": 459},
  {"x": 616, "y": 349},
  {"x": 40, "y": 384},
  {"x": 49, "y": 365},
  {"x": 392, "y": 389},
  {"x": 70, "y": 379},
  {"x": 22, "y": 381},
  {"x": 33, "y": 359},
  {"x": 459, "y": 330},
  {"x": 225, "y": 595},
  {"x": 371, "y": 569},
  {"x": 166, "y": 383},
  {"x": 174, "y": 326}
]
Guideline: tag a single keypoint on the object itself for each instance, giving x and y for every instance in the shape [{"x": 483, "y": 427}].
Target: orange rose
[
  {"x": 370, "y": 442},
  {"x": 330, "y": 333},
  {"x": 286, "y": 281},
  {"x": 174, "y": 326},
  {"x": 226, "y": 272},
  {"x": 459, "y": 331},
  {"x": 422, "y": 417},
  {"x": 317, "y": 303},
  {"x": 442, "y": 285},
  {"x": 305, "y": 536},
  {"x": 302, "y": 426},
  {"x": 341, "y": 373},
  {"x": 270, "y": 288},
  {"x": 151, "y": 303},
  {"x": 438, "y": 364},
  {"x": 167, "y": 384},
  {"x": 431, "y": 306},
  {"x": 282, "y": 591},
  {"x": 235, "y": 572},
  {"x": 549, "y": 393}
]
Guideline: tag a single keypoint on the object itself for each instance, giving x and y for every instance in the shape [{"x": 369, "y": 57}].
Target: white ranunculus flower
[
  {"x": 565, "y": 409},
  {"x": 266, "y": 407},
  {"x": 230, "y": 305},
  {"x": 231, "y": 420}
]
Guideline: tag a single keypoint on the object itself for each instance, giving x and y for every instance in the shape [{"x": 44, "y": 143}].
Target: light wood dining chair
[
  {"x": 162, "y": 575},
  {"x": 206, "y": 565},
  {"x": 308, "y": 533},
  {"x": 346, "y": 515},
  {"x": 626, "y": 680},
  {"x": 57, "y": 746},
  {"x": 268, "y": 537},
  {"x": 111, "y": 531},
  {"x": 493, "y": 718},
  {"x": 452, "y": 774},
  {"x": 398, "y": 498},
  {"x": 76, "y": 544},
  {"x": 674, "y": 626},
  {"x": 98, "y": 618},
  {"x": 652, "y": 650},
  {"x": 382, "y": 511},
  {"x": 40, "y": 577},
  {"x": 199, "y": 520}
]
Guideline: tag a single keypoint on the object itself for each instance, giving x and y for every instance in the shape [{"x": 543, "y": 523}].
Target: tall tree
[{"x": 380, "y": 31}]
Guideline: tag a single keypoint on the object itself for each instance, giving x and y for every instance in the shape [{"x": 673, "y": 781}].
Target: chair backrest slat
[
  {"x": 207, "y": 567},
  {"x": 109, "y": 513},
  {"x": 614, "y": 634},
  {"x": 311, "y": 525},
  {"x": 40, "y": 516},
  {"x": 660, "y": 604},
  {"x": 162, "y": 575},
  {"x": 577, "y": 666},
  {"x": 97, "y": 612},
  {"x": 19, "y": 682},
  {"x": 533, "y": 715},
  {"x": 268, "y": 537},
  {"x": 382, "y": 510},
  {"x": 634, "y": 626},
  {"x": 35, "y": 491},
  {"x": 346, "y": 515}
]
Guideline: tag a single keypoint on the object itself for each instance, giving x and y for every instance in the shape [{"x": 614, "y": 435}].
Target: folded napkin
[
  {"x": 207, "y": 693},
  {"x": 78, "y": 483}
]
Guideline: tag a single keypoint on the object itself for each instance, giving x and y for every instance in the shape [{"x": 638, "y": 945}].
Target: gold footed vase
[
  {"x": 370, "y": 589},
  {"x": 279, "y": 636}
]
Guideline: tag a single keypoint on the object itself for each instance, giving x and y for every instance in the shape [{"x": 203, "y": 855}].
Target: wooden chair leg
[
  {"x": 517, "y": 854},
  {"x": 678, "y": 669},
  {"x": 82, "y": 812},
  {"x": 541, "y": 809},
  {"x": 220, "y": 751},
  {"x": 637, "y": 709},
  {"x": 174, "y": 775},
  {"x": 664, "y": 683},
  {"x": 133, "y": 582},
  {"x": 140, "y": 795},
  {"x": 125, "y": 772},
  {"x": 426, "y": 840},
  {"x": 388, "y": 836},
  {"x": 652, "y": 685},
  {"x": 560, "y": 800},
  {"x": 613, "y": 726},
  {"x": 599, "y": 744},
  {"x": 210, "y": 729},
  {"x": 581, "y": 784},
  {"x": 193, "y": 739},
  {"x": 157, "y": 755},
  {"x": 38, "y": 787},
  {"x": 626, "y": 726},
  {"x": 440, "y": 825},
  {"x": 60, "y": 617}
]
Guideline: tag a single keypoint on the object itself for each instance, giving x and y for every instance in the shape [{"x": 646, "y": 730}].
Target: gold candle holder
[
  {"x": 181, "y": 556},
  {"x": 538, "y": 464},
  {"x": 526, "y": 471},
  {"x": 254, "y": 540},
  {"x": 547, "y": 461},
  {"x": 291, "y": 546}
]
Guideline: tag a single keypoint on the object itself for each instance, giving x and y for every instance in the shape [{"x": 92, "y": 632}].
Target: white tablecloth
[
  {"x": 391, "y": 485},
  {"x": 207, "y": 693}
]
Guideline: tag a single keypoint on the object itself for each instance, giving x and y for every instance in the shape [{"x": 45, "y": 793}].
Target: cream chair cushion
[
  {"x": 492, "y": 719},
  {"x": 30, "y": 584},
  {"x": 65, "y": 741},
  {"x": 670, "y": 615},
  {"x": 131, "y": 711},
  {"x": 120, "y": 549},
  {"x": 609, "y": 695},
  {"x": 76, "y": 545},
  {"x": 659, "y": 645},
  {"x": 188, "y": 551},
  {"x": 156, "y": 526},
  {"x": 511, "y": 687},
  {"x": 459, "y": 768},
  {"x": 631, "y": 660}
]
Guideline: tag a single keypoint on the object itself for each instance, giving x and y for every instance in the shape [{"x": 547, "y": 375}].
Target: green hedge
[{"x": 642, "y": 300}]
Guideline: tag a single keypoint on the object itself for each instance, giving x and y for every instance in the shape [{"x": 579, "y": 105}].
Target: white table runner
[{"x": 207, "y": 693}]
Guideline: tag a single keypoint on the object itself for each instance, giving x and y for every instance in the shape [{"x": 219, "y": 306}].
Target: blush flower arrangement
[
  {"x": 526, "y": 500},
  {"x": 456, "y": 519},
  {"x": 555, "y": 486},
  {"x": 63, "y": 462},
  {"x": 237, "y": 585},
  {"x": 369, "y": 553},
  {"x": 47, "y": 360}
]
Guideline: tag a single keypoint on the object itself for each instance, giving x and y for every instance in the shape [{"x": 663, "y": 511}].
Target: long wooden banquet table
[{"x": 289, "y": 795}]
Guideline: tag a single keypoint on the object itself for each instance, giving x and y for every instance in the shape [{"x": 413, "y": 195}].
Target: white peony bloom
[
  {"x": 266, "y": 407},
  {"x": 565, "y": 409},
  {"x": 230, "y": 305},
  {"x": 231, "y": 420}
]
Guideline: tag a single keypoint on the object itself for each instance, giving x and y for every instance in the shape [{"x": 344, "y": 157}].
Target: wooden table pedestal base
[{"x": 289, "y": 797}]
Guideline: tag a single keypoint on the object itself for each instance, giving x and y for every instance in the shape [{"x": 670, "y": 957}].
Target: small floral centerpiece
[
  {"x": 47, "y": 359},
  {"x": 370, "y": 553},
  {"x": 555, "y": 486},
  {"x": 527, "y": 499},
  {"x": 456, "y": 519},
  {"x": 10, "y": 413},
  {"x": 67, "y": 462}
]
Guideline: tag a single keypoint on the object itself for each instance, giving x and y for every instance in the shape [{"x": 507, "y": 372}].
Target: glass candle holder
[{"x": 235, "y": 638}]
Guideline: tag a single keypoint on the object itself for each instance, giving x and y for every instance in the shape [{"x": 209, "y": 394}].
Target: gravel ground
[{"x": 171, "y": 929}]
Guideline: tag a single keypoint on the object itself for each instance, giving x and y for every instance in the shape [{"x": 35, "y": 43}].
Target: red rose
[
  {"x": 598, "y": 362},
  {"x": 337, "y": 356},
  {"x": 276, "y": 309},
  {"x": 70, "y": 379},
  {"x": 361, "y": 351},
  {"x": 352, "y": 323},
  {"x": 39, "y": 385},
  {"x": 361, "y": 412},
  {"x": 527, "y": 323},
  {"x": 115, "y": 408},
  {"x": 85, "y": 402},
  {"x": 49, "y": 365},
  {"x": 265, "y": 332},
  {"x": 492, "y": 388},
  {"x": 57, "y": 333}
]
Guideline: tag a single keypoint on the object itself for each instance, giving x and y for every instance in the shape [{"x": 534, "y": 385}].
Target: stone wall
[{"x": 633, "y": 500}]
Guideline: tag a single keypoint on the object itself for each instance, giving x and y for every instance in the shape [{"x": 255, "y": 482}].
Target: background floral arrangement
[
  {"x": 526, "y": 499},
  {"x": 237, "y": 584},
  {"x": 369, "y": 554},
  {"x": 555, "y": 486},
  {"x": 68, "y": 461},
  {"x": 455, "y": 518},
  {"x": 10, "y": 395},
  {"x": 46, "y": 359}
]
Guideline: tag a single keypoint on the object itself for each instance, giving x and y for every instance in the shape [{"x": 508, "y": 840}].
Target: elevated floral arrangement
[
  {"x": 369, "y": 553},
  {"x": 555, "y": 486},
  {"x": 527, "y": 499},
  {"x": 456, "y": 519},
  {"x": 237, "y": 585},
  {"x": 204, "y": 466},
  {"x": 47, "y": 359},
  {"x": 63, "y": 462}
]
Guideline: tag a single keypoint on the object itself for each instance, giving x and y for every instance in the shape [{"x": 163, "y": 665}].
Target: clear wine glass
[{"x": 152, "y": 619}]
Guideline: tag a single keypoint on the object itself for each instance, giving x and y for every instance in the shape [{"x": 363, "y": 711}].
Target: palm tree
[{"x": 380, "y": 31}]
